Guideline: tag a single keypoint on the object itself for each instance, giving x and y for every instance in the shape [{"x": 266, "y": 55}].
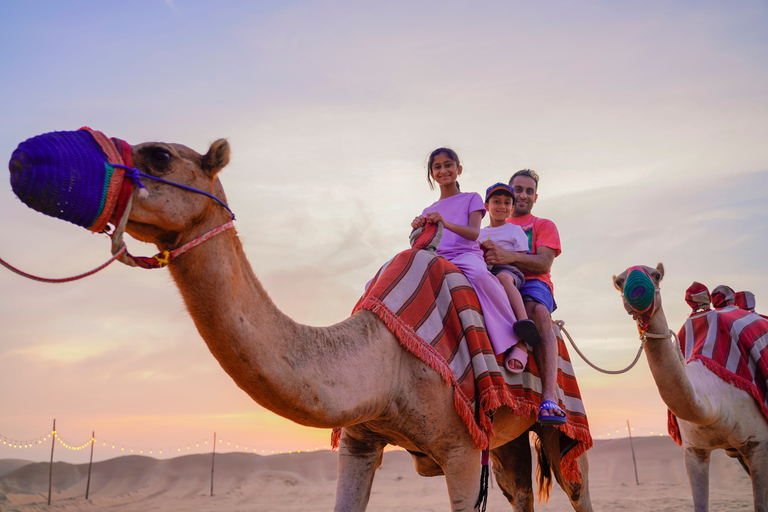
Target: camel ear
[
  {"x": 660, "y": 268},
  {"x": 616, "y": 283},
  {"x": 216, "y": 158}
]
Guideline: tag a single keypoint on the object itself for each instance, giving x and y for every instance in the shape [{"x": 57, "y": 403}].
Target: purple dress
[{"x": 467, "y": 255}]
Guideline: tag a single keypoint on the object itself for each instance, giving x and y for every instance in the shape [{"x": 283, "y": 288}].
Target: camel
[
  {"x": 354, "y": 375},
  {"x": 712, "y": 414}
]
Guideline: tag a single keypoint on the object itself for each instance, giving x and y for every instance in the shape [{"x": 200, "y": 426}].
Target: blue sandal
[{"x": 551, "y": 419}]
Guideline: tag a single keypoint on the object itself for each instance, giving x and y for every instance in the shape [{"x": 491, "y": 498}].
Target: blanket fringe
[
  {"x": 408, "y": 338},
  {"x": 734, "y": 380},
  {"x": 731, "y": 378},
  {"x": 335, "y": 439},
  {"x": 478, "y": 423}
]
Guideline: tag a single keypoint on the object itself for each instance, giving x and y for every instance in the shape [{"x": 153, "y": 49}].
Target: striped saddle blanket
[
  {"x": 733, "y": 344},
  {"x": 429, "y": 305}
]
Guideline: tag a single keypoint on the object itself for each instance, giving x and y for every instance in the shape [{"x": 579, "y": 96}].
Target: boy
[{"x": 499, "y": 203}]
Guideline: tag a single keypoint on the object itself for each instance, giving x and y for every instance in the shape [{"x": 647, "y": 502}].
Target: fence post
[
  {"x": 50, "y": 468},
  {"x": 90, "y": 464},
  {"x": 632, "y": 446},
  {"x": 213, "y": 457}
]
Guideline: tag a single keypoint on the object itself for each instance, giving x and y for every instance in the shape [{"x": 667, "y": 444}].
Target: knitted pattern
[
  {"x": 67, "y": 175},
  {"x": 639, "y": 290}
]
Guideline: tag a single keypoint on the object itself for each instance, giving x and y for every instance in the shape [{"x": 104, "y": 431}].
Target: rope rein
[
  {"x": 63, "y": 279},
  {"x": 561, "y": 325},
  {"x": 643, "y": 338}
]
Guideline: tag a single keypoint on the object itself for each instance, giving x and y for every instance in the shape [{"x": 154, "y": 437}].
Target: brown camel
[
  {"x": 354, "y": 375},
  {"x": 712, "y": 414}
]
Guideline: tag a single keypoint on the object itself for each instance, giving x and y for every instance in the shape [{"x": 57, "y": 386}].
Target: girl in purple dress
[{"x": 461, "y": 213}]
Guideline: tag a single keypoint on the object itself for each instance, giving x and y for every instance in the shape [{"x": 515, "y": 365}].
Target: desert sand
[{"x": 307, "y": 481}]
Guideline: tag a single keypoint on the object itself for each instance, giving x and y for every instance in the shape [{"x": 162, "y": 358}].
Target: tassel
[{"x": 482, "y": 500}]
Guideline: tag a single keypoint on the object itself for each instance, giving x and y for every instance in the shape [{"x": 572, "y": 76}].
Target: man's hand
[
  {"x": 539, "y": 263},
  {"x": 497, "y": 255}
]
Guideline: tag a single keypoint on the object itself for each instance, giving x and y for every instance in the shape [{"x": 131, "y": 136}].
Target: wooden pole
[
  {"x": 632, "y": 446},
  {"x": 213, "y": 457},
  {"x": 50, "y": 468},
  {"x": 90, "y": 464}
]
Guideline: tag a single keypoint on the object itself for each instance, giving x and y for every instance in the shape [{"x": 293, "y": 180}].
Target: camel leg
[
  {"x": 697, "y": 467},
  {"x": 462, "y": 475},
  {"x": 512, "y": 469},
  {"x": 358, "y": 461},
  {"x": 578, "y": 493},
  {"x": 758, "y": 470}
]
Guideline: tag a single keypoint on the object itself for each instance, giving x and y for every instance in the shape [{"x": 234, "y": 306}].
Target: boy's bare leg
[
  {"x": 515, "y": 299},
  {"x": 545, "y": 353}
]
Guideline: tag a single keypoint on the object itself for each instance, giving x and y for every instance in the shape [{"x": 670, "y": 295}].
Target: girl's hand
[
  {"x": 418, "y": 222},
  {"x": 434, "y": 218}
]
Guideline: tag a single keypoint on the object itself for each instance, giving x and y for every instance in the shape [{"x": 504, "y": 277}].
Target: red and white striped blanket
[
  {"x": 733, "y": 344},
  {"x": 428, "y": 303}
]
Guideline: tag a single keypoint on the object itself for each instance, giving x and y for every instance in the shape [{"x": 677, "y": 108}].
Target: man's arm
[{"x": 539, "y": 263}]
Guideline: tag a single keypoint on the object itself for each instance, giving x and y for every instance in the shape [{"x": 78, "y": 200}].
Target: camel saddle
[{"x": 732, "y": 343}]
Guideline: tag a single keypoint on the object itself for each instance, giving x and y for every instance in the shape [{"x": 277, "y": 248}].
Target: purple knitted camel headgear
[{"x": 76, "y": 176}]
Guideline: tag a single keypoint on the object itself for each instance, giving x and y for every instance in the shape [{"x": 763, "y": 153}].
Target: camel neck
[
  {"x": 280, "y": 363},
  {"x": 669, "y": 372}
]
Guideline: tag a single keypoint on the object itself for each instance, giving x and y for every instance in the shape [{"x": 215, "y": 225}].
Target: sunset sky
[{"x": 647, "y": 121}]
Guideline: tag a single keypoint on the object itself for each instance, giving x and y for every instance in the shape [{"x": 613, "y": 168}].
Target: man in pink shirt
[{"x": 538, "y": 291}]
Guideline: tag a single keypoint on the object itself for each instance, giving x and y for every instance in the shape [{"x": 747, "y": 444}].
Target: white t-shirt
[{"x": 508, "y": 236}]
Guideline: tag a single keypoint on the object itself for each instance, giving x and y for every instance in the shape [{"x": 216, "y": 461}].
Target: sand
[{"x": 307, "y": 482}]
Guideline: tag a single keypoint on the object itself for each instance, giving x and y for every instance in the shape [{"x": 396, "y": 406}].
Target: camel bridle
[
  {"x": 98, "y": 197},
  {"x": 163, "y": 258}
]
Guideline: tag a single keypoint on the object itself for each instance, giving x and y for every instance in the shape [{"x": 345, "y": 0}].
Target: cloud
[{"x": 66, "y": 353}]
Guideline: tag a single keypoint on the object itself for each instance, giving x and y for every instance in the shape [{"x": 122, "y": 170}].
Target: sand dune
[{"x": 307, "y": 482}]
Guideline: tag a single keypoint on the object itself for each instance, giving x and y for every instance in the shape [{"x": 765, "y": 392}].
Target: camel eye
[{"x": 160, "y": 157}]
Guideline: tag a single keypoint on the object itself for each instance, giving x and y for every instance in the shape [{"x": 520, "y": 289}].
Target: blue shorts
[{"x": 538, "y": 291}]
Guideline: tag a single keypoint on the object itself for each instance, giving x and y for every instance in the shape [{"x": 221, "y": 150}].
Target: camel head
[
  {"x": 639, "y": 286},
  {"x": 168, "y": 212},
  {"x": 88, "y": 179}
]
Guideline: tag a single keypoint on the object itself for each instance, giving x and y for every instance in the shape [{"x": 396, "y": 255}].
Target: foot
[
  {"x": 516, "y": 358},
  {"x": 526, "y": 330},
  {"x": 551, "y": 414}
]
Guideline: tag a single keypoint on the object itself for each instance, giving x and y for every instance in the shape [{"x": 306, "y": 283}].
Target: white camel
[{"x": 711, "y": 413}]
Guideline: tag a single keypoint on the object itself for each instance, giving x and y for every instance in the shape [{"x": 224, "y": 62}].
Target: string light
[
  {"x": 119, "y": 447},
  {"x": 21, "y": 444},
  {"x": 641, "y": 431}
]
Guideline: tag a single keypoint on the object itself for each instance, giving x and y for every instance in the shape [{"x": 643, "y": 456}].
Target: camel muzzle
[
  {"x": 639, "y": 291},
  {"x": 79, "y": 176},
  {"x": 73, "y": 175}
]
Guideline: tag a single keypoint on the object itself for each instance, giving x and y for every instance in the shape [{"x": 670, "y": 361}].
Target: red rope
[{"x": 64, "y": 279}]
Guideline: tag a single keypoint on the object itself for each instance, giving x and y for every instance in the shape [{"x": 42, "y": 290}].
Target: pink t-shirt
[
  {"x": 540, "y": 233},
  {"x": 456, "y": 209}
]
